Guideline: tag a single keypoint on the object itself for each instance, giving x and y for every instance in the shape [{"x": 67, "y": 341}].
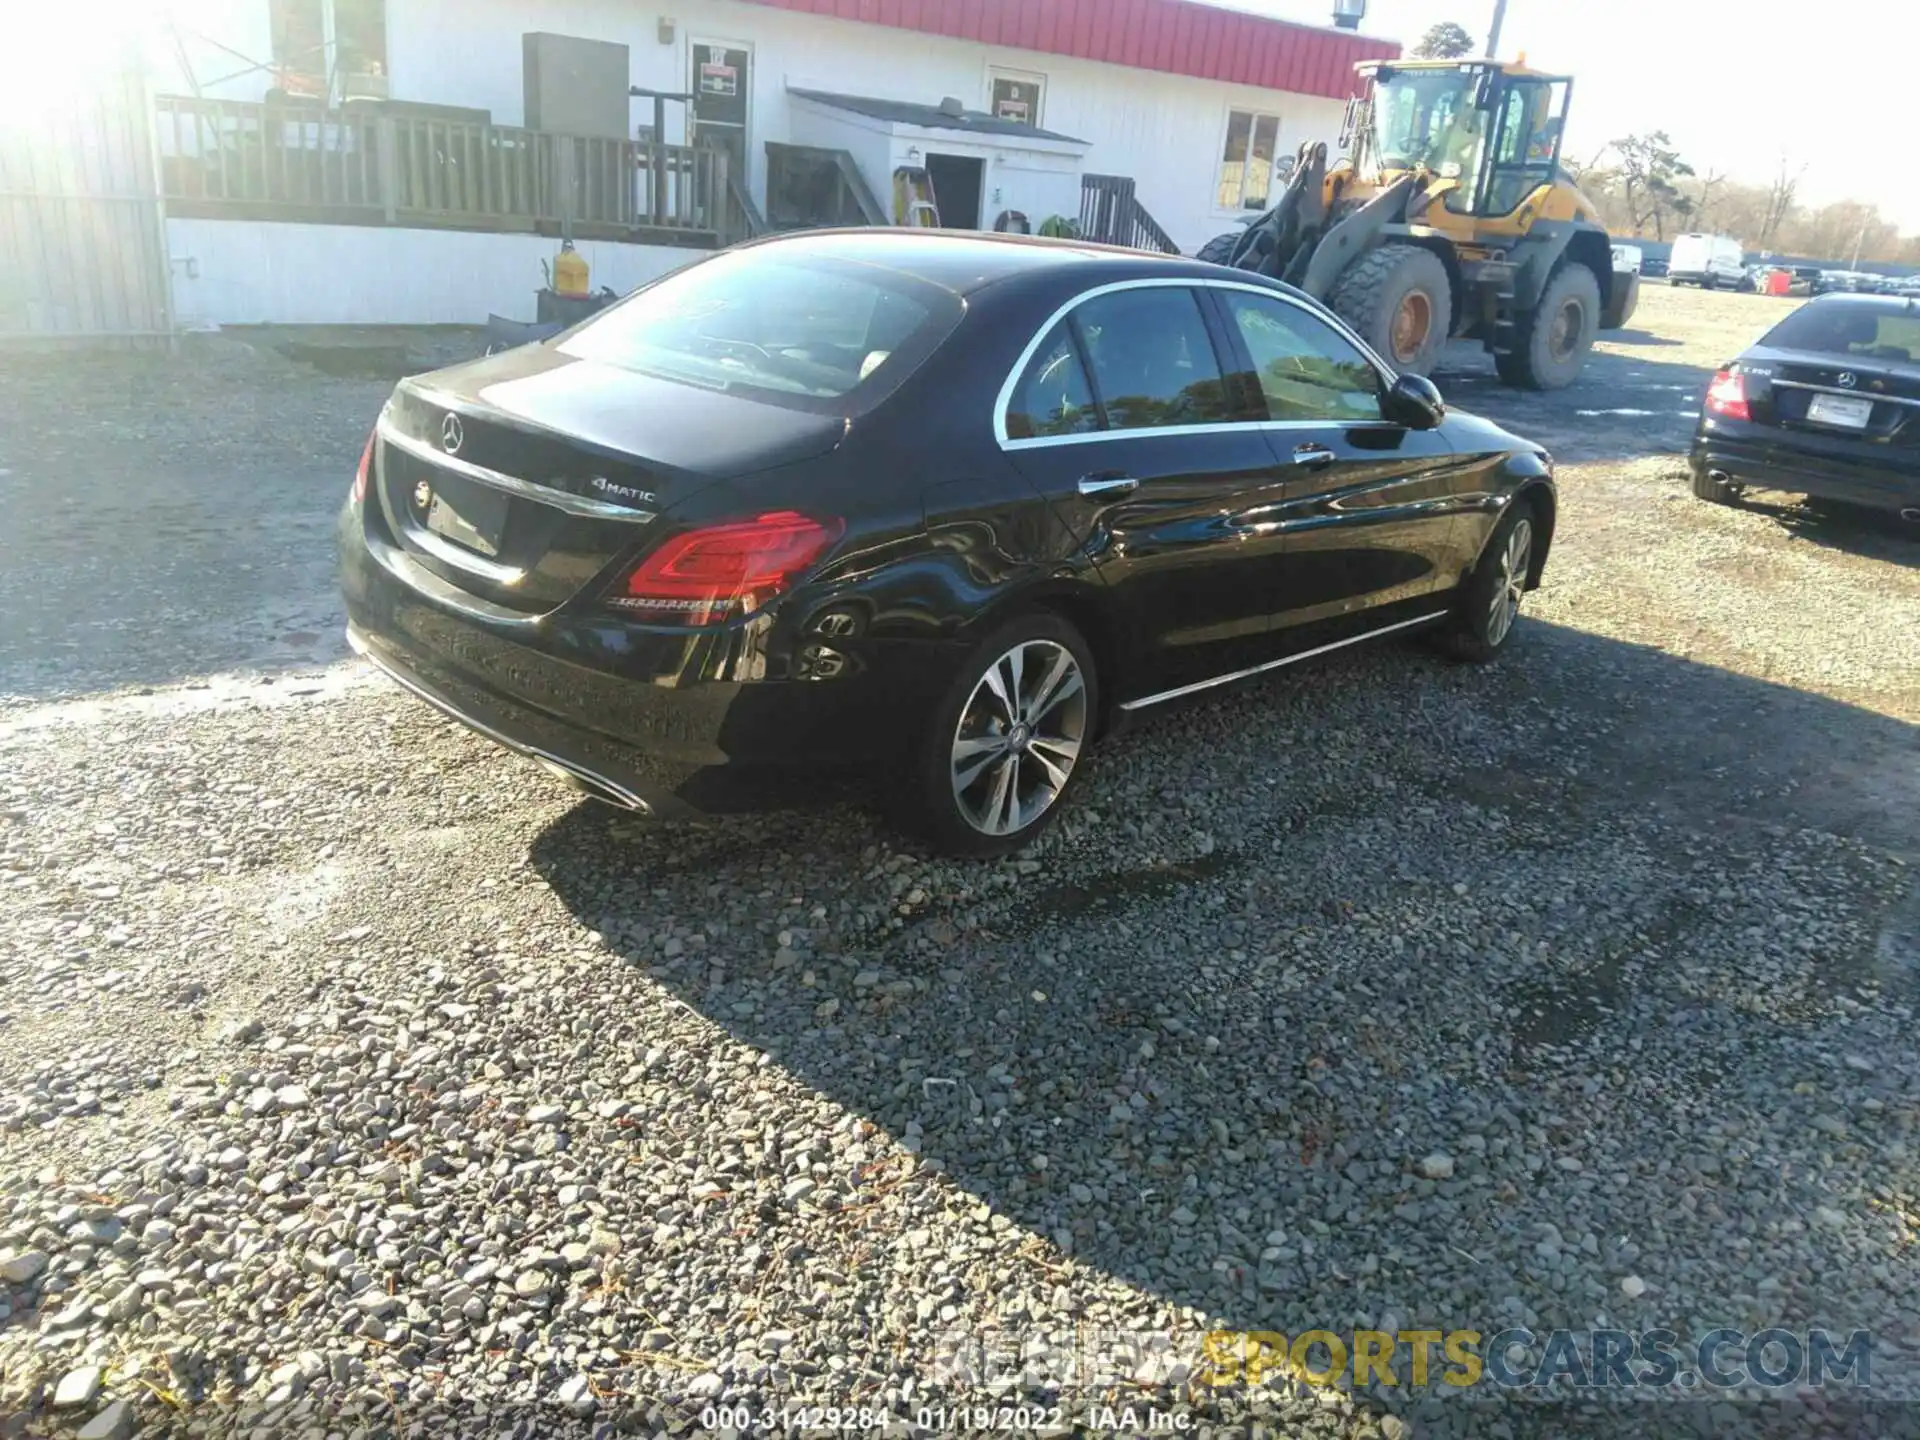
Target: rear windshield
[
  {"x": 806, "y": 332},
  {"x": 1867, "y": 332}
]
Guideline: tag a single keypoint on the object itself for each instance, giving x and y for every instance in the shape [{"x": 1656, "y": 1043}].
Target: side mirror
[{"x": 1414, "y": 401}]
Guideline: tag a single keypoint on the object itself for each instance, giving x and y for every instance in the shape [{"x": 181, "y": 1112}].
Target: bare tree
[
  {"x": 1780, "y": 198},
  {"x": 1703, "y": 203}
]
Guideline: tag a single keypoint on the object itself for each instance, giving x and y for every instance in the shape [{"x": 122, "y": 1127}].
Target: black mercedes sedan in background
[
  {"x": 932, "y": 508},
  {"x": 1827, "y": 405}
]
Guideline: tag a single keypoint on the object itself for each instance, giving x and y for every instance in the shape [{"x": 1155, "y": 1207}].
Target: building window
[
  {"x": 1016, "y": 95},
  {"x": 1246, "y": 160},
  {"x": 329, "y": 47}
]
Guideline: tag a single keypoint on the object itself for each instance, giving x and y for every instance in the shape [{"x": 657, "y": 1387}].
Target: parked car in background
[
  {"x": 1827, "y": 404},
  {"x": 1653, "y": 267},
  {"x": 1709, "y": 261},
  {"x": 932, "y": 509},
  {"x": 1630, "y": 259}
]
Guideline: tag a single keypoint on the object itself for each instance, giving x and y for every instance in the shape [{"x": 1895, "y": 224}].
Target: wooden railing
[
  {"x": 362, "y": 166},
  {"x": 1112, "y": 215}
]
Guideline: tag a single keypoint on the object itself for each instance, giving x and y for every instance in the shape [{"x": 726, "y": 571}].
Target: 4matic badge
[{"x": 623, "y": 492}]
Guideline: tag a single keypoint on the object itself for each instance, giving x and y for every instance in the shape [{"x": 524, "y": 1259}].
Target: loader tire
[
  {"x": 1400, "y": 301},
  {"x": 1219, "y": 250},
  {"x": 1551, "y": 341}
]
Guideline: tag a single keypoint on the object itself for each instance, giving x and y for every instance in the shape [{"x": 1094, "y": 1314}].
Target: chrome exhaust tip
[
  {"x": 1912, "y": 512},
  {"x": 1719, "y": 477},
  {"x": 597, "y": 786}
]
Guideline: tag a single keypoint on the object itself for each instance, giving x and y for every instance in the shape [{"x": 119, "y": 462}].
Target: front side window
[
  {"x": 1307, "y": 369},
  {"x": 1053, "y": 396},
  {"x": 1152, "y": 358},
  {"x": 1431, "y": 118},
  {"x": 1246, "y": 161},
  {"x": 805, "y": 332}
]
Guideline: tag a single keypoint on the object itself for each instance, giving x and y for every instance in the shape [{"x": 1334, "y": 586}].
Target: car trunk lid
[
  {"x": 1869, "y": 400},
  {"x": 523, "y": 476}
]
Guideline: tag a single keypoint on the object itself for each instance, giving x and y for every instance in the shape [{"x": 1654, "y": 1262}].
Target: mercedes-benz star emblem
[
  {"x": 1848, "y": 379},
  {"x": 422, "y": 495},
  {"x": 452, "y": 434}
]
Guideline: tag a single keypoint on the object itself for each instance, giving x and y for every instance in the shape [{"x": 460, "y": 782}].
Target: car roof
[
  {"x": 1863, "y": 299},
  {"x": 967, "y": 261}
]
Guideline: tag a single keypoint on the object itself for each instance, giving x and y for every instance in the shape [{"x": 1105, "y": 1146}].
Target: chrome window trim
[
  {"x": 1850, "y": 394},
  {"x": 1159, "y": 282},
  {"x": 525, "y": 489},
  {"x": 1232, "y": 675}
]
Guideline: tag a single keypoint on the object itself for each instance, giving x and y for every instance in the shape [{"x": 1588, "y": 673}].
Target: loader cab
[{"x": 1491, "y": 132}]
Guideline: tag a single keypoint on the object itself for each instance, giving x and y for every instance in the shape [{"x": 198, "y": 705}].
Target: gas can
[{"x": 570, "y": 271}]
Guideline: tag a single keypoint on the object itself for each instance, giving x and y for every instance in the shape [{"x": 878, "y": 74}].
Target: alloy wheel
[
  {"x": 1019, "y": 737},
  {"x": 1510, "y": 582}
]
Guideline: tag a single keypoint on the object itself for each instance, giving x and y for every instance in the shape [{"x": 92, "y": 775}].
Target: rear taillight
[
  {"x": 360, "y": 475},
  {"x": 720, "y": 571},
  {"x": 1727, "y": 396}
]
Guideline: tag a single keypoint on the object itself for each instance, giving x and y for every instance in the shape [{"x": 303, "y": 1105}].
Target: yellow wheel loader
[{"x": 1448, "y": 216}]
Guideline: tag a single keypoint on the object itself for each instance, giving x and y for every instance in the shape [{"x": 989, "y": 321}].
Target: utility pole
[{"x": 1493, "y": 31}]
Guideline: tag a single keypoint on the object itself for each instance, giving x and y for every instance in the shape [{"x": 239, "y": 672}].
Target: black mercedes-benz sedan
[
  {"x": 1827, "y": 405},
  {"x": 936, "y": 509}
]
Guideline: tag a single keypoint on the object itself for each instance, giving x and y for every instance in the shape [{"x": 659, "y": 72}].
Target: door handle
[
  {"x": 1107, "y": 485},
  {"x": 1313, "y": 456}
]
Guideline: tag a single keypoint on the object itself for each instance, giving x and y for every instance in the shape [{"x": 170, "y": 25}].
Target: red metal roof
[{"x": 1181, "y": 37}]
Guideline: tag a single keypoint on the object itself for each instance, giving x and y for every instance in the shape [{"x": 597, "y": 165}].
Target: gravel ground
[{"x": 346, "y": 1059}]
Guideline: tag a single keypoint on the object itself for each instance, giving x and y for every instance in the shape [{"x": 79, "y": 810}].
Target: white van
[{"x": 1708, "y": 261}]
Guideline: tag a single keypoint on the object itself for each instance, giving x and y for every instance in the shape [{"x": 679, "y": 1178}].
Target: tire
[
  {"x": 1543, "y": 356},
  {"x": 1398, "y": 293},
  {"x": 1705, "y": 487},
  {"x": 1219, "y": 250},
  {"x": 1479, "y": 628},
  {"x": 961, "y": 805},
  {"x": 1712, "y": 282}
]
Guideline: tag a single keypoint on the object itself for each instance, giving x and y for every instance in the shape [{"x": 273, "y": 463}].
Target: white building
[{"x": 436, "y": 203}]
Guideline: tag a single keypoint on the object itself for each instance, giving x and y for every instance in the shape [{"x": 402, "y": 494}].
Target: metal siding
[
  {"x": 1214, "y": 53},
  {"x": 1090, "y": 30},
  {"x": 1246, "y": 51},
  {"x": 1046, "y": 38},
  {"x": 1179, "y": 56},
  {"x": 1153, "y": 33},
  {"x": 1126, "y": 31},
  {"x": 1182, "y": 37},
  {"x": 1297, "y": 68},
  {"x": 1267, "y": 54}
]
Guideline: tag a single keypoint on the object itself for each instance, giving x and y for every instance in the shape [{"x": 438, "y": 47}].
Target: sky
[{"x": 1735, "y": 87}]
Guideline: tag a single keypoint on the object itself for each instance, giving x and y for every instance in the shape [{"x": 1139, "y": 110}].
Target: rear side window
[
  {"x": 1153, "y": 361},
  {"x": 1307, "y": 369},
  {"x": 804, "y": 331},
  {"x": 1866, "y": 332},
  {"x": 1053, "y": 396}
]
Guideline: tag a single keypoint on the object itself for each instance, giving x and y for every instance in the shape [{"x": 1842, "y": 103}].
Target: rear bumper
[
  {"x": 1754, "y": 455},
  {"x": 672, "y": 723}
]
